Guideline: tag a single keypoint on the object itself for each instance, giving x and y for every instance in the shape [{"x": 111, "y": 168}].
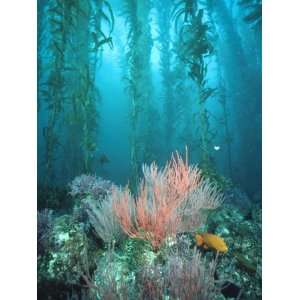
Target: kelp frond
[{"x": 253, "y": 12}]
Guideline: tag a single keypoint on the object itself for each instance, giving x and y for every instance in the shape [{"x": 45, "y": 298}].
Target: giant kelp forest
[{"x": 164, "y": 90}]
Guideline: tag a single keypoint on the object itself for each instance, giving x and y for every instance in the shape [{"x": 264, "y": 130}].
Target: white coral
[
  {"x": 194, "y": 210},
  {"x": 103, "y": 219}
]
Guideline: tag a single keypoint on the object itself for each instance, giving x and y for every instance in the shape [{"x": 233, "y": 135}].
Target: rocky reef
[{"x": 77, "y": 260}]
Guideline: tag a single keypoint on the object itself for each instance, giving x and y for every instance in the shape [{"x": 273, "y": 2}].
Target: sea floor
[{"x": 74, "y": 263}]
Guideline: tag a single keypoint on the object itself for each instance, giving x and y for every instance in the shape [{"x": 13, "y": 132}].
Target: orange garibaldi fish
[{"x": 211, "y": 241}]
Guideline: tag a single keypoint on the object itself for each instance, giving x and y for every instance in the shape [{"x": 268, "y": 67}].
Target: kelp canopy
[
  {"x": 133, "y": 81},
  {"x": 72, "y": 35}
]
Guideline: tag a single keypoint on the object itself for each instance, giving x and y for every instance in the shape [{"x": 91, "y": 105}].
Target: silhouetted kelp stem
[
  {"x": 53, "y": 93},
  {"x": 139, "y": 85},
  {"x": 76, "y": 35},
  {"x": 225, "y": 123},
  {"x": 90, "y": 17},
  {"x": 205, "y": 134},
  {"x": 183, "y": 114},
  {"x": 163, "y": 8},
  {"x": 132, "y": 75},
  {"x": 41, "y": 46},
  {"x": 237, "y": 54},
  {"x": 149, "y": 125}
]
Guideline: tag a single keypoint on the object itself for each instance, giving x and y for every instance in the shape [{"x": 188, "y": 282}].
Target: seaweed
[
  {"x": 168, "y": 96},
  {"x": 224, "y": 122},
  {"x": 76, "y": 32},
  {"x": 252, "y": 12},
  {"x": 184, "y": 9},
  {"x": 194, "y": 47},
  {"x": 139, "y": 84}
]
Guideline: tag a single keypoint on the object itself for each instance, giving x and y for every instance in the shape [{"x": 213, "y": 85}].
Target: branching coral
[
  {"x": 89, "y": 185},
  {"x": 103, "y": 219},
  {"x": 152, "y": 215},
  {"x": 96, "y": 203},
  {"x": 183, "y": 277},
  {"x": 193, "y": 211},
  {"x": 158, "y": 210},
  {"x": 191, "y": 278}
]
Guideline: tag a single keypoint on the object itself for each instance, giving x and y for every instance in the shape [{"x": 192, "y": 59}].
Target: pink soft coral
[{"x": 153, "y": 215}]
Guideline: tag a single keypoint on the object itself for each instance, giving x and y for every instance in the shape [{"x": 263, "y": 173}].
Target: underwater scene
[{"x": 149, "y": 149}]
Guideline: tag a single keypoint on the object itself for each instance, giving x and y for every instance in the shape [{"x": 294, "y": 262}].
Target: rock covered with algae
[{"x": 242, "y": 264}]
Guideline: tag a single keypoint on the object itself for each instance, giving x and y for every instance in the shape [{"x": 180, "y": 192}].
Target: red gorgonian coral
[{"x": 153, "y": 214}]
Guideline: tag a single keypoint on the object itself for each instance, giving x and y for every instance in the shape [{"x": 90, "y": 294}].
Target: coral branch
[{"x": 153, "y": 214}]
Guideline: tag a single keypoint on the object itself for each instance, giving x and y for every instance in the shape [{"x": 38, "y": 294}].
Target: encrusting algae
[{"x": 211, "y": 241}]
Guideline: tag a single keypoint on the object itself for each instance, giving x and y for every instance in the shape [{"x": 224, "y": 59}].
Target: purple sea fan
[{"x": 90, "y": 185}]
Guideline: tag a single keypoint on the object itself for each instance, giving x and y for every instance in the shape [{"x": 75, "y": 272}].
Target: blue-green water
[{"x": 122, "y": 83}]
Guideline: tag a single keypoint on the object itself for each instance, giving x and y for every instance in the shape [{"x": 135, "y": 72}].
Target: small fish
[
  {"x": 217, "y": 148},
  {"x": 211, "y": 241},
  {"x": 103, "y": 159}
]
